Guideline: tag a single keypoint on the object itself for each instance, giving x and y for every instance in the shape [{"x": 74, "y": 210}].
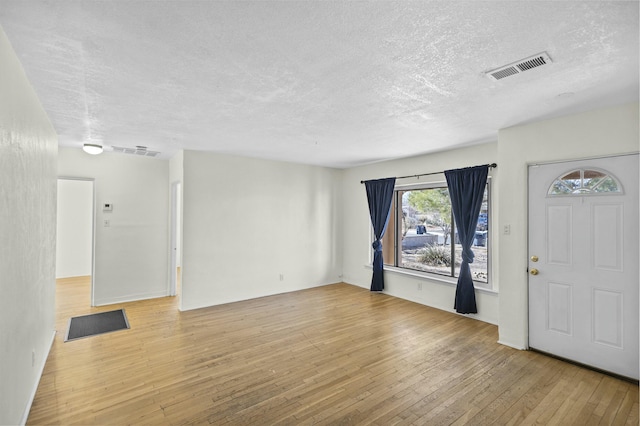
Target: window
[
  {"x": 421, "y": 233},
  {"x": 583, "y": 182}
]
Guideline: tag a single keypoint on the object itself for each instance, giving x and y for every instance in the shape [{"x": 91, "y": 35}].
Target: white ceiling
[{"x": 328, "y": 83}]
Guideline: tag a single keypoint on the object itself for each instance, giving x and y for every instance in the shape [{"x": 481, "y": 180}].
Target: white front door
[{"x": 583, "y": 262}]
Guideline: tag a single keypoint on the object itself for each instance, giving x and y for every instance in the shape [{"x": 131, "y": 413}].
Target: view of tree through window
[{"x": 423, "y": 237}]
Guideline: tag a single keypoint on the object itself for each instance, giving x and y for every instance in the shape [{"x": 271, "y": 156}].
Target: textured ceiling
[{"x": 328, "y": 83}]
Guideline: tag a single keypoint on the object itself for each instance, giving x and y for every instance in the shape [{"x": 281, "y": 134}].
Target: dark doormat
[{"x": 92, "y": 324}]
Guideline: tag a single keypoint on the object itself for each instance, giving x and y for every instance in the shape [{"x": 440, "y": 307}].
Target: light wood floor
[{"x": 336, "y": 355}]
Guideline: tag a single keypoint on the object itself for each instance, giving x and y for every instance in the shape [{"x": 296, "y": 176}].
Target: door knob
[
  {"x": 534, "y": 271},
  {"x": 534, "y": 258}
]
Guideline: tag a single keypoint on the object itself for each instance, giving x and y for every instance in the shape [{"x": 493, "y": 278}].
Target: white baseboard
[
  {"x": 208, "y": 304},
  {"x": 27, "y": 410},
  {"x": 131, "y": 298},
  {"x": 511, "y": 345},
  {"x": 421, "y": 301}
]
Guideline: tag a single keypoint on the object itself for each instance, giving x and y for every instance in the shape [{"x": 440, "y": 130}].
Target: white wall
[
  {"x": 357, "y": 228},
  {"x": 74, "y": 228},
  {"x": 591, "y": 134},
  {"x": 131, "y": 260},
  {"x": 247, "y": 221},
  {"x": 28, "y": 149}
]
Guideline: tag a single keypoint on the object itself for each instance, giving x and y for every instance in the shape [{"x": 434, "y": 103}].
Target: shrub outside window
[{"x": 421, "y": 233}]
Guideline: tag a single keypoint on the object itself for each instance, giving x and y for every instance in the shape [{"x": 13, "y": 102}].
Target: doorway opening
[
  {"x": 175, "y": 265},
  {"x": 75, "y": 225}
]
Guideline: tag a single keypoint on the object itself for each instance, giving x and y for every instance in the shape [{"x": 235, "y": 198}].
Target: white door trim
[{"x": 174, "y": 240}]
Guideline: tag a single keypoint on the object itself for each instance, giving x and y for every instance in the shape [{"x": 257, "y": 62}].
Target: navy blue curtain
[
  {"x": 380, "y": 196},
  {"x": 466, "y": 190}
]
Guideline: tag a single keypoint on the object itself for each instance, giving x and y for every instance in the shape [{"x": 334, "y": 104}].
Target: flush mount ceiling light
[{"x": 92, "y": 148}]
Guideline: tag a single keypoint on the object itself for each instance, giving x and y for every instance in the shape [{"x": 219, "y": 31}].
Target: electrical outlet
[
  {"x": 107, "y": 223},
  {"x": 281, "y": 277},
  {"x": 507, "y": 230},
  {"x": 419, "y": 286}
]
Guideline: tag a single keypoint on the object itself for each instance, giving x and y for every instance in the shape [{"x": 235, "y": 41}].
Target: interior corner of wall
[{"x": 510, "y": 344}]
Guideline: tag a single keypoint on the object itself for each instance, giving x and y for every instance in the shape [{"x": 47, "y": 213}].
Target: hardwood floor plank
[
  {"x": 488, "y": 406},
  {"x": 623, "y": 414},
  {"x": 575, "y": 402},
  {"x": 615, "y": 404},
  {"x": 633, "y": 418},
  {"x": 539, "y": 384},
  {"x": 332, "y": 355},
  {"x": 601, "y": 399}
]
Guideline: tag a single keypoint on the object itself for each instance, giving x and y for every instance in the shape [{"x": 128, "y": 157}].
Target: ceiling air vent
[
  {"x": 522, "y": 65},
  {"x": 138, "y": 150}
]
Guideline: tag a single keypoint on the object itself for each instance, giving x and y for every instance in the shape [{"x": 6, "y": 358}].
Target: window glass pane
[
  {"x": 426, "y": 229},
  {"x": 479, "y": 267},
  {"x": 572, "y": 180},
  {"x": 388, "y": 239},
  {"x": 590, "y": 183},
  {"x": 559, "y": 187},
  {"x": 574, "y": 175},
  {"x": 419, "y": 235},
  {"x": 608, "y": 184},
  {"x": 590, "y": 174},
  {"x": 582, "y": 182}
]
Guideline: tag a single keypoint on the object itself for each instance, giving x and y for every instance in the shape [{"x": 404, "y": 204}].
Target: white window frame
[{"x": 480, "y": 285}]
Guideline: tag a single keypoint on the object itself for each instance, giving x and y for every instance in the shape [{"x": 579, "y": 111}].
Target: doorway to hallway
[{"x": 75, "y": 233}]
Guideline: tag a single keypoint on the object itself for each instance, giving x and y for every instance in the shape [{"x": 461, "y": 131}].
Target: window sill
[{"x": 430, "y": 277}]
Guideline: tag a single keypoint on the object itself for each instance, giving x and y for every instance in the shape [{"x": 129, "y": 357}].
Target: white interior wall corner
[{"x": 269, "y": 229}]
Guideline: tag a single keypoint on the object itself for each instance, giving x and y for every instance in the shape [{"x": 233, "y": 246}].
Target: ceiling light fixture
[{"x": 92, "y": 148}]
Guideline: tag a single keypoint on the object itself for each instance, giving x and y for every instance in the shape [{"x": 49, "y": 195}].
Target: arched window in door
[{"x": 585, "y": 182}]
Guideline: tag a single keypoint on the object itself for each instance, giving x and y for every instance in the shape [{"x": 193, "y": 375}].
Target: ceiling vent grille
[
  {"x": 138, "y": 150},
  {"x": 520, "y": 66}
]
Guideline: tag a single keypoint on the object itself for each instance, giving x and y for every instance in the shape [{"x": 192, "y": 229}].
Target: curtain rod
[{"x": 491, "y": 166}]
